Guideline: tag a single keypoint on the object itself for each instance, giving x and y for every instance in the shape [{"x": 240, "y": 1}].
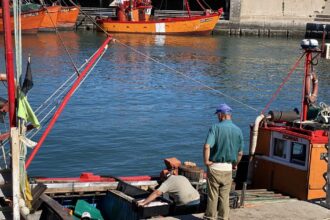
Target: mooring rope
[
  {"x": 164, "y": 65},
  {"x": 282, "y": 84},
  {"x": 54, "y": 108},
  {"x": 186, "y": 76},
  {"x": 61, "y": 41}
]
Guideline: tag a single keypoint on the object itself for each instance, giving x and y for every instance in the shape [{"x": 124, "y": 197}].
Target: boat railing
[
  {"x": 101, "y": 12},
  {"x": 175, "y": 13}
]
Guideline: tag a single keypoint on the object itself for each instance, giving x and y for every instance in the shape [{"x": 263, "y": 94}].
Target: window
[
  {"x": 280, "y": 148},
  {"x": 298, "y": 153}
]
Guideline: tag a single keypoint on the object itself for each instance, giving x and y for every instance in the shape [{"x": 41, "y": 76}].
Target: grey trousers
[{"x": 218, "y": 186}]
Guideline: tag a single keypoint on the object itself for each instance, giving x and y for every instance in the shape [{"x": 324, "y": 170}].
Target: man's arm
[
  {"x": 150, "y": 198},
  {"x": 206, "y": 153},
  {"x": 239, "y": 157}
]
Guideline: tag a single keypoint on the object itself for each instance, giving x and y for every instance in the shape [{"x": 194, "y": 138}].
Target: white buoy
[
  {"x": 21, "y": 202},
  {"x": 25, "y": 211}
]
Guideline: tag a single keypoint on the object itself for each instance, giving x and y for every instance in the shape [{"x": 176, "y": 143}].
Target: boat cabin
[
  {"x": 291, "y": 161},
  {"x": 290, "y": 150}
]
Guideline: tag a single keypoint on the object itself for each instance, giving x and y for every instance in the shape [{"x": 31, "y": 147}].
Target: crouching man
[{"x": 178, "y": 187}]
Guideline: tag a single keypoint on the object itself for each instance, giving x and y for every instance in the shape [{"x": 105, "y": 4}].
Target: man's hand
[
  {"x": 141, "y": 203},
  {"x": 234, "y": 167},
  {"x": 208, "y": 163}
]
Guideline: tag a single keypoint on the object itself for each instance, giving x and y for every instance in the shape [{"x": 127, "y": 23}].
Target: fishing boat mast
[
  {"x": 14, "y": 144},
  {"x": 308, "y": 63},
  {"x": 187, "y": 7}
]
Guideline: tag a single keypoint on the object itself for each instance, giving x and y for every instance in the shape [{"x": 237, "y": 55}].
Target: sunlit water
[{"x": 132, "y": 112}]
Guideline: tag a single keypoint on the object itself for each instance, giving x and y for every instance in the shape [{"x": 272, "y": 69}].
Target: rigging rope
[
  {"x": 50, "y": 104},
  {"x": 61, "y": 41},
  {"x": 282, "y": 84},
  {"x": 166, "y": 66},
  {"x": 200, "y": 4},
  {"x": 186, "y": 76},
  {"x": 100, "y": 52}
]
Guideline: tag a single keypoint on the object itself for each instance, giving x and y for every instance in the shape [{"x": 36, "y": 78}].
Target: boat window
[
  {"x": 279, "y": 148},
  {"x": 298, "y": 153}
]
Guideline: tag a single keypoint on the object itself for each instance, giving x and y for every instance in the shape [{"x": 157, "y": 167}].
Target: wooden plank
[
  {"x": 123, "y": 195},
  {"x": 36, "y": 193},
  {"x": 38, "y": 190},
  {"x": 266, "y": 199},
  {"x": 56, "y": 207},
  {"x": 76, "y": 187}
]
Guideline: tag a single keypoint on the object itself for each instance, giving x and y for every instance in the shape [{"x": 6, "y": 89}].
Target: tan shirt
[{"x": 180, "y": 189}]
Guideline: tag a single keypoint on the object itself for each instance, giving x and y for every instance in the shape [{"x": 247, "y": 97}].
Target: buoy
[{"x": 25, "y": 210}]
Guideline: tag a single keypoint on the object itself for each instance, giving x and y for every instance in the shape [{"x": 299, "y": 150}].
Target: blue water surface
[{"x": 133, "y": 112}]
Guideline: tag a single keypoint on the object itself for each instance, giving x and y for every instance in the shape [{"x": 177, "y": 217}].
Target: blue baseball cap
[{"x": 224, "y": 109}]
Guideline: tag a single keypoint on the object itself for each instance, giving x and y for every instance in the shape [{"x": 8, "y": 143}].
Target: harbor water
[{"x": 133, "y": 112}]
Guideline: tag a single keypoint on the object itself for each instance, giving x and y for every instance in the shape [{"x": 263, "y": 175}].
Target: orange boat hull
[
  {"x": 30, "y": 21},
  {"x": 50, "y": 19},
  {"x": 193, "y": 25},
  {"x": 67, "y": 17}
]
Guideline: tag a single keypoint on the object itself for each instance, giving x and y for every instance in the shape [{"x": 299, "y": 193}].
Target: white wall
[{"x": 279, "y": 10}]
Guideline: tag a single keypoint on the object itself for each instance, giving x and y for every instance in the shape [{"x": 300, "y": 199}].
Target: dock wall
[{"x": 271, "y": 17}]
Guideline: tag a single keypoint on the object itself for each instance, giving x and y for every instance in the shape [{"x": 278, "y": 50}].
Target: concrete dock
[{"x": 285, "y": 210}]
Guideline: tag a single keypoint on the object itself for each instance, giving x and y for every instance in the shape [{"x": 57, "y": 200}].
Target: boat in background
[
  {"x": 135, "y": 17},
  {"x": 50, "y": 20},
  {"x": 67, "y": 17},
  {"x": 30, "y": 20}
]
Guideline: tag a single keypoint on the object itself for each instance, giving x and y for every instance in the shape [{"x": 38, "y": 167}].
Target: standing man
[{"x": 223, "y": 150}]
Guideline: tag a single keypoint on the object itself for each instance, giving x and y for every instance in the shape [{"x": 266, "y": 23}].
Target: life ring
[{"x": 312, "y": 93}]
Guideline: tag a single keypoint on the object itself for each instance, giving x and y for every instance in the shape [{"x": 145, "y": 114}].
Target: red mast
[
  {"x": 308, "y": 62},
  {"x": 9, "y": 62},
  {"x": 66, "y": 99}
]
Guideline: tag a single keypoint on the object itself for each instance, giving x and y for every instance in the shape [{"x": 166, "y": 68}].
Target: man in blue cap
[{"x": 223, "y": 150}]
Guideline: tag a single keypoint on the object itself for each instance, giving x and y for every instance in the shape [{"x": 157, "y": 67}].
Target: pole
[
  {"x": 9, "y": 62},
  {"x": 327, "y": 200},
  {"x": 187, "y": 6},
  {"x": 308, "y": 61},
  {"x": 323, "y": 39},
  {"x": 9, "y": 57},
  {"x": 131, "y": 10},
  {"x": 15, "y": 172}
]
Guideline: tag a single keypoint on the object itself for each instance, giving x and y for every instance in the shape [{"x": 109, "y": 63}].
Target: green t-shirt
[{"x": 225, "y": 140}]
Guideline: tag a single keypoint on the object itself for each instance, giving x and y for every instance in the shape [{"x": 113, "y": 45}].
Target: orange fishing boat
[
  {"x": 135, "y": 17},
  {"x": 50, "y": 19},
  {"x": 67, "y": 17},
  {"x": 289, "y": 149},
  {"x": 30, "y": 21}
]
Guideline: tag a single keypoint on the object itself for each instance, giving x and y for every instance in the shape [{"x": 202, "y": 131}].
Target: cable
[
  {"x": 62, "y": 42},
  {"x": 282, "y": 84},
  {"x": 186, "y": 76}
]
